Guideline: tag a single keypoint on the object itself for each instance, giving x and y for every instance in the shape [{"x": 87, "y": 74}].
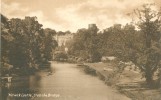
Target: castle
[{"x": 62, "y": 39}]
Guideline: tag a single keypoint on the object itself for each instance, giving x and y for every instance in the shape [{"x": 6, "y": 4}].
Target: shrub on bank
[{"x": 60, "y": 56}]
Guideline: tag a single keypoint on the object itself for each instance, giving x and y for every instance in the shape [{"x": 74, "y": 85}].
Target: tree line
[
  {"x": 25, "y": 45},
  {"x": 138, "y": 42}
]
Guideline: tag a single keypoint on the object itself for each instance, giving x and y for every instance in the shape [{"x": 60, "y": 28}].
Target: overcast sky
[{"x": 73, "y": 14}]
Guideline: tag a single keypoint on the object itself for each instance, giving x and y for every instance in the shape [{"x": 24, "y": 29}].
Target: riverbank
[
  {"x": 127, "y": 82},
  {"x": 69, "y": 82}
]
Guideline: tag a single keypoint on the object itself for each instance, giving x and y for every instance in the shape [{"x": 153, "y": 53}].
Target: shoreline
[{"x": 131, "y": 89}]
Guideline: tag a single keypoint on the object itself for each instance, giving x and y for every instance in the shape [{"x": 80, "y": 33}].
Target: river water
[{"x": 61, "y": 82}]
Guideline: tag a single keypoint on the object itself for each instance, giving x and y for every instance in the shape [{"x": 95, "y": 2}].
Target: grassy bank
[{"x": 127, "y": 82}]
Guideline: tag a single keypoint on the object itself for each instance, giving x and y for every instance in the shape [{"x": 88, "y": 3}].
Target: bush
[
  {"x": 95, "y": 57},
  {"x": 60, "y": 56}
]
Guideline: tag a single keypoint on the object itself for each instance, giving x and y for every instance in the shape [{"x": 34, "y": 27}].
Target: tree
[
  {"x": 24, "y": 50},
  {"x": 149, "y": 24},
  {"x": 25, "y": 44},
  {"x": 76, "y": 45},
  {"x": 31, "y": 44},
  {"x": 84, "y": 44},
  {"x": 112, "y": 41},
  {"x": 49, "y": 43},
  {"x": 6, "y": 42}
]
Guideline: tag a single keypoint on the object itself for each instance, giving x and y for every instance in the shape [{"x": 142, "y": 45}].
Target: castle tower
[{"x": 93, "y": 28}]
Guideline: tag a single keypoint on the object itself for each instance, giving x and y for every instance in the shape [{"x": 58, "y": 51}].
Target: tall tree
[
  {"x": 24, "y": 50},
  {"x": 49, "y": 43},
  {"x": 6, "y": 42},
  {"x": 84, "y": 44},
  {"x": 149, "y": 24}
]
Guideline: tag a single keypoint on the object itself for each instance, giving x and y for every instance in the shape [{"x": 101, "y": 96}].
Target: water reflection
[
  {"x": 5, "y": 90},
  {"x": 66, "y": 83},
  {"x": 21, "y": 88}
]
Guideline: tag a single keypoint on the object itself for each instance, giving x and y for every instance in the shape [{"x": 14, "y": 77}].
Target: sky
[{"x": 63, "y": 15}]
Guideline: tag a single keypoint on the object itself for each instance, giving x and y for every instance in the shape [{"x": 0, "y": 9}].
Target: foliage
[
  {"x": 149, "y": 24},
  {"x": 49, "y": 44},
  {"x": 60, "y": 56},
  {"x": 25, "y": 44},
  {"x": 84, "y": 44},
  {"x": 6, "y": 42},
  {"x": 141, "y": 45}
]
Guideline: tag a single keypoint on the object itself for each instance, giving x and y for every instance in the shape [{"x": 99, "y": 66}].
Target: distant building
[
  {"x": 93, "y": 28},
  {"x": 62, "y": 39}
]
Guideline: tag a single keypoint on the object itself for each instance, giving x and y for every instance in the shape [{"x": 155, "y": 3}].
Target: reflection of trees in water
[
  {"x": 5, "y": 90},
  {"x": 24, "y": 85}
]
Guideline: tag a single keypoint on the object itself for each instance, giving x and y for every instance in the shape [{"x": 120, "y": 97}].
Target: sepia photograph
[{"x": 80, "y": 50}]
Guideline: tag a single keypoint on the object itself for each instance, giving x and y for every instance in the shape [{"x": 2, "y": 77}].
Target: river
[{"x": 62, "y": 81}]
